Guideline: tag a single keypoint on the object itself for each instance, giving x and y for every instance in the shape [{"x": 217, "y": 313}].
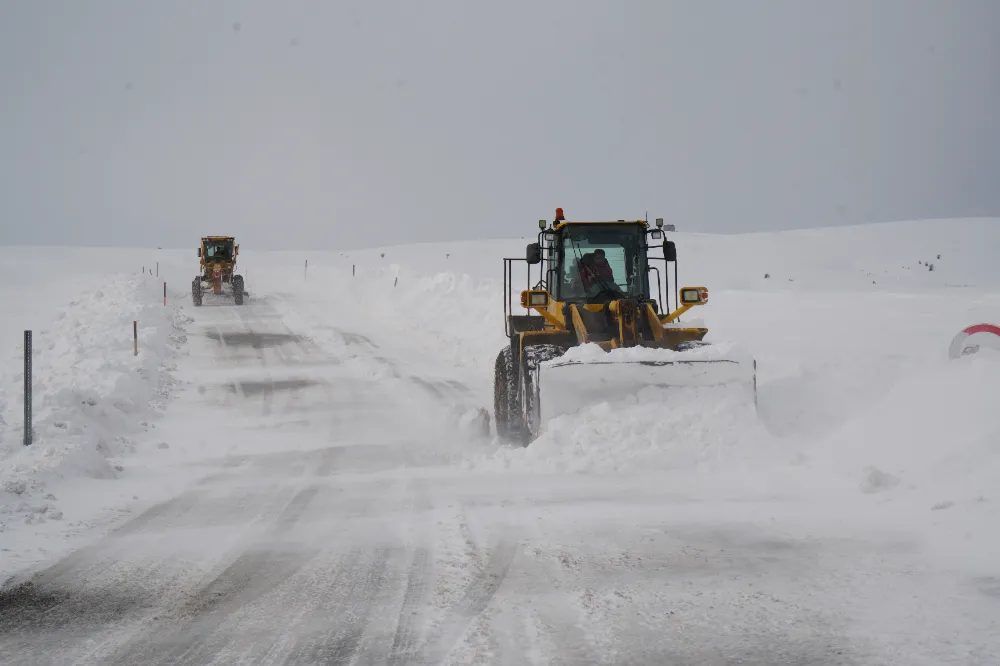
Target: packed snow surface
[{"x": 307, "y": 478}]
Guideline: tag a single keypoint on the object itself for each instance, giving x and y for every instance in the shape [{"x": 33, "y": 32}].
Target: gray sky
[{"x": 342, "y": 124}]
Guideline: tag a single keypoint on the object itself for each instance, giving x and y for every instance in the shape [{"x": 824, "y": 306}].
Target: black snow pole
[
  {"x": 27, "y": 388},
  {"x": 677, "y": 298}
]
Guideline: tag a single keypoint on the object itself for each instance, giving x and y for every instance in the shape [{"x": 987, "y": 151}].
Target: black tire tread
[
  {"x": 505, "y": 395},
  {"x": 238, "y": 289},
  {"x": 196, "y": 291}
]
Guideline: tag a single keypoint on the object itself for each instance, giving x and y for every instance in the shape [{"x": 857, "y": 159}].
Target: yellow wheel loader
[
  {"x": 594, "y": 332},
  {"x": 218, "y": 268}
]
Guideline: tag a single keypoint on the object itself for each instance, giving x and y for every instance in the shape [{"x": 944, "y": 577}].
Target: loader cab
[{"x": 597, "y": 263}]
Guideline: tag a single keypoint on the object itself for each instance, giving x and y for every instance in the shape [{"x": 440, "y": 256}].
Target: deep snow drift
[{"x": 92, "y": 394}]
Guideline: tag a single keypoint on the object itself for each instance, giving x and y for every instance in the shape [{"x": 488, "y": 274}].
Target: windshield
[
  {"x": 219, "y": 250},
  {"x": 599, "y": 264}
]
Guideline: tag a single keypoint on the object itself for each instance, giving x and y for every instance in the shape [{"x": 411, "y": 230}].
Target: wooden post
[
  {"x": 135, "y": 337},
  {"x": 164, "y": 293}
]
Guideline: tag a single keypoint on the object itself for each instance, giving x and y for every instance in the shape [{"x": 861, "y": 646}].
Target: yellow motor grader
[
  {"x": 594, "y": 332},
  {"x": 218, "y": 267}
]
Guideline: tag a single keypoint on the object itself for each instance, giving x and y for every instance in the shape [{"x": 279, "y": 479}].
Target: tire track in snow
[
  {"x": 406, "y": 615},
  {"x": 344, "y": 612},
  {"x": 85, "y": 595},
  {"x": 556, "y": 631},
  {"x": 188, "y": 632},
  {"x": 409, "y": 621},
  {"x": 306, "y": 346},
  {"x": 162, "y": 515},
  {"x": 340, "y": 643},
  {"x": 90, "y": 596},
  {"x": 84, "y": 619},
  {"x": 477, "y": 597}
]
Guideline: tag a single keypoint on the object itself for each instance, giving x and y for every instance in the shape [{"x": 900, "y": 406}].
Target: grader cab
[{"x": 217, "y": 256}]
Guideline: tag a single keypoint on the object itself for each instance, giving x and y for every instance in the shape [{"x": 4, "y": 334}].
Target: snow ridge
[{"x": 92, "y": 394}]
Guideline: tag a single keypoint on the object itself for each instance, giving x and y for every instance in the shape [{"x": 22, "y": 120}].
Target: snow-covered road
[{"x": 327, "y": 512}]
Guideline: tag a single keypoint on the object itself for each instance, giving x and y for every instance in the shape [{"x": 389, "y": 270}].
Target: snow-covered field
[{"x": 301, "y": 480}]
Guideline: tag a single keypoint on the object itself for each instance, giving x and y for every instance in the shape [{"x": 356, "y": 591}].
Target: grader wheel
[
  {"x": 196, "y": 291},
  {"x": 238, "y": 289}
]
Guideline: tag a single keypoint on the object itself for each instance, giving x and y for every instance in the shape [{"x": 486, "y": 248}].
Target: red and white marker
[{"x": 974, "y": 338}]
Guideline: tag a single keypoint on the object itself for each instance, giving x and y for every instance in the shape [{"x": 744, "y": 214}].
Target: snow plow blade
[{"x": 571, "y": 383}]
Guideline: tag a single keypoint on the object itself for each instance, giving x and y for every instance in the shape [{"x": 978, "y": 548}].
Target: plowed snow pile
[
  {"x": 92, "y": 394},
  {"x": 677, "y": 428},
  {"x": 933, "y": 439}
]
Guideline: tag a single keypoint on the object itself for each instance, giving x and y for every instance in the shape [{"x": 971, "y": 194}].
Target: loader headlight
[
  {"x": 694, "y": 295},
  {"x": 534, "y": 299}
]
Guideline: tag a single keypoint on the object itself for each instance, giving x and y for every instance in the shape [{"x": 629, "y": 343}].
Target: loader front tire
[
  {"x": 238, "y": 289},
  {"x": 506, "y": 403},
  {"x": 196, "y": 291}
]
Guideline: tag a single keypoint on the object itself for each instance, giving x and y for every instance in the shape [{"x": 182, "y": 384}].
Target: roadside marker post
[
  {"x": 164, "y": 293},
  {"x": 27, "y": 388},
  {"x": 135, "y": 337}
]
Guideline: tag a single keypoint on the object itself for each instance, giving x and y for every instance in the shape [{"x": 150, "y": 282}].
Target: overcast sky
[{"x": 343, "y": 124}]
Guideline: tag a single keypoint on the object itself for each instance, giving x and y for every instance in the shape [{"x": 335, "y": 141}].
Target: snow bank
[
  {"x": 657, "y": 429},
  {"x": 934, "y": 438},
  {"x": 92, "y": 395}
]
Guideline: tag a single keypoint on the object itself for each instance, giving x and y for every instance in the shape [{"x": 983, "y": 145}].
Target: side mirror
[
  {"x": 669, "y": 251},
  {"x": 199, "y": 251},
  {"x": 533, "y": 254}
]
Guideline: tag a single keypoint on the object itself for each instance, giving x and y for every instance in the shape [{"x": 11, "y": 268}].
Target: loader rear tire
[
  {"x": 196, "y": 291},
  {"x": 506, "y": 402},
  {"x": 238, "y": 289}
]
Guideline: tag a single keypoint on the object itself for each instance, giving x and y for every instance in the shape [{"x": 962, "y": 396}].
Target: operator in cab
[{"x": 595, "y": 270}]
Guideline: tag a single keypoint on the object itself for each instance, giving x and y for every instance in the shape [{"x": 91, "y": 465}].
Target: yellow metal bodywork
[
  {"x": 564, "y": 223},
  {"x": 216, "y": 272},
  {"x": 626, "y": 314}
]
